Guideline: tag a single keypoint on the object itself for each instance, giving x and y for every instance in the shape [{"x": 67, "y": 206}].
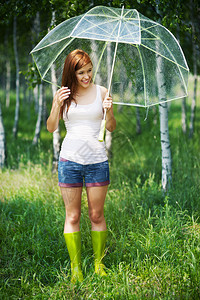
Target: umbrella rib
[
  {"x": 51, "y": 44},
  {"x": 115, "y": 50},
  {"x": 178, "y": 65},
  {"x": 130, "y": 104},
  {"x": 130, "y": 33},
  {"x": 102, "y": 9},
  {"x": 94, "y": 25},
  {"x": 56, "y": 57},
  {"x": 151, "y": 104},
  {"x": 165, "y": 57},
  {"x": 57, "y": 41},
  {"x": 157, "y": 37}
]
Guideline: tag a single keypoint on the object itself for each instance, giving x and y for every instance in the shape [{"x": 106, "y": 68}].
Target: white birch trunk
[
  {"x": 2, "y": 141},
  {"x": 193, "y": 106},
  {"x": 8, "y": 71},
  {"x": 194, "y": 56},
  {"x": 164, "y": 130},
  {"x": 8, "y": 77},
  {"x": 184, "y": 116},
  {"x": 39, "y": 118},
  {"x": 56, "y": 133},
  {"x": 15, "y": 127},
  {"x": 95, "y": 59},
  {"x": 183, "y": 106},
  {"x": 108, "y": 137},
  {"x": 138, "y": 123},
  {"x": 35, "y": 35}
]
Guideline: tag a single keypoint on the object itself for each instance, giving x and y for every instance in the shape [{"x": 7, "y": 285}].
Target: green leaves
[{"x": 32, "y": 75}]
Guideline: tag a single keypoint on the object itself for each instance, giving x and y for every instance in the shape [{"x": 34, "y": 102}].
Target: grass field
[{"x": 153, "y": 249}]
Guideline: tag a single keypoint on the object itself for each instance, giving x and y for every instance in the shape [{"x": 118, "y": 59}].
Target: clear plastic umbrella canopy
[{"x": 127, "y": 49}]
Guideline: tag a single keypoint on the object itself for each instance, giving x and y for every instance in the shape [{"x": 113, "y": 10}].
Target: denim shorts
[{"x": 72, "y": 174}]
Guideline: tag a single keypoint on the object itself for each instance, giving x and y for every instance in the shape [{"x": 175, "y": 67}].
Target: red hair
[{"x": 74, "y": 61}]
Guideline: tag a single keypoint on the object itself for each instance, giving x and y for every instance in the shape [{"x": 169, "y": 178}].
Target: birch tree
[
  {"x": 56, "y": 133},
  {"x": 2, "y": 141},
  {"x": 35, "y": 35},
  {"x": 183, "y": 104},
  {"x": 194, "y": 50},
  {"x": 184, "y": 116},
  {"x": 39, "y": 117},
  {"x": 138, "y": 122},
  {"x": 8, "y": 71},
  {"x": 164, "y": 129},
  {"x": 16, "y": 120}
]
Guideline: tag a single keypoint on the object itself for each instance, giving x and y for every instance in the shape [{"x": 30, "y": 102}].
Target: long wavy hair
[{"x": 74, "y": 61}]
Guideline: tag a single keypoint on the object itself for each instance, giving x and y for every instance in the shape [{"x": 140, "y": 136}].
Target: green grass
[{"x": 153, "y": 247}]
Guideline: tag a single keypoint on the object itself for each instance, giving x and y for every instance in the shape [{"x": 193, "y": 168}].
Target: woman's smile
[{"x": 84, "y": 75}]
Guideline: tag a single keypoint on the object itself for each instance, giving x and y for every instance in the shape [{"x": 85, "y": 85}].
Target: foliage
[{"x": 32, "y": 76}]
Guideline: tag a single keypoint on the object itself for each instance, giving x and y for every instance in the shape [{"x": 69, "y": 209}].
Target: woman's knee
[
  {"x": 73, "y": 218},
  {"x": 96, "y": 216}
]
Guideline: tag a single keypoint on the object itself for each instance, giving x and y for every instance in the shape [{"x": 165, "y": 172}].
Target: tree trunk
[
  {"x": 165, "y": 147},
  {"x": 194, "y": 56},
  {"x": 184, "y": 115},
  {"x": 8, "y": 77},
  {"x": 95, "y": 59},
  {"x": 138, "y": 123},
  {"x": 8, "y": 70},
  {"x": 36, "y": 93},
  {"x": 56, "y": 133},
  {"x": 15, "y": 127},
  {"x": 34, "y": 37},
  {"x": 2, "y": 141},
  {"x": 39, "y": 118},
  {"x": 193, "y": 106},
  {"x": 183, "y": 106},
  {"x": 164, "y": 130}
]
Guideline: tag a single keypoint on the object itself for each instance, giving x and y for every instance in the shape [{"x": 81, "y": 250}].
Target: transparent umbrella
[{"x": 129, "y": 52}]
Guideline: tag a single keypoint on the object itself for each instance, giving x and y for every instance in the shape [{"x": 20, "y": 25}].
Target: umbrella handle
[{"x": 102, "y": 128}]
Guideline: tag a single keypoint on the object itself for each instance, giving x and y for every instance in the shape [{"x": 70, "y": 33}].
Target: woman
[{"x": 83, "y": 159}]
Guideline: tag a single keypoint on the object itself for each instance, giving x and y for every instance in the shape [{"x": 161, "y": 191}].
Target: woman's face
[{"x": 84, "y": 75}]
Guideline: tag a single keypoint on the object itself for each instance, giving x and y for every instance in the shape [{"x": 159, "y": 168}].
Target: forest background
[{"x": 154, "y": 234}]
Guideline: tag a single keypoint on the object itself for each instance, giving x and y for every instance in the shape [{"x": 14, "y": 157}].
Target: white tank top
[{"x": 83, "y": 123}]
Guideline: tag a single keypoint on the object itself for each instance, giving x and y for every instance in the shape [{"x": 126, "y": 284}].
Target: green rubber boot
[
  {"x": 73, "y": 242},
  {"x": 99, "y": 242}
]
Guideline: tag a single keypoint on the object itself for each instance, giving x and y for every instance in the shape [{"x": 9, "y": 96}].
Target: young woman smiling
[{"x": 83, "y": 160}]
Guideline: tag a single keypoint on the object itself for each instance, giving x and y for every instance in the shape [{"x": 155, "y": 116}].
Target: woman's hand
[
  {"x": 61, "y": 95},
  {"x": 110, "y": 119},
  {"x": 107, "y": 102}
]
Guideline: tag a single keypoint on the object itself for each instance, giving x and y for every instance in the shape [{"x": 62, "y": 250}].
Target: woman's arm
[
  {"x": 58, "y": 101},
  {"x": 107, "y": 104},
  {"x": 110, "y": 120}
]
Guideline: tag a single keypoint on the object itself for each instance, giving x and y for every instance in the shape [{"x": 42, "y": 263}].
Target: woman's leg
[
  {"x": 72, "y": 235},
  {"x": 72, "y": 201},
  {"x": 96, "y": 200}
]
